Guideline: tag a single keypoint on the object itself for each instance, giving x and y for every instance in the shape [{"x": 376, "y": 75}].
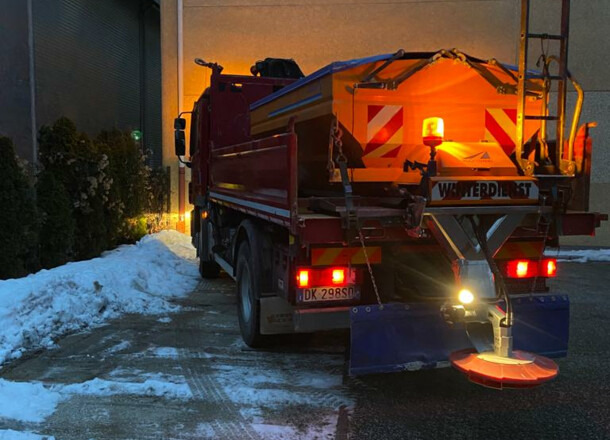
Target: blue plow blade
[{"x": 405, "y": 337}]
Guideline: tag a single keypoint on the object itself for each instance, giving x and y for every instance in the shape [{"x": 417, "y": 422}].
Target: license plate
[{"x": 317, "y": 294}]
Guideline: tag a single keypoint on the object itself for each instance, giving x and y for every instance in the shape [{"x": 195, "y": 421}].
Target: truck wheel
[
  {"x": 207, "y": 268},
  {"x": 248, "y": 307}
]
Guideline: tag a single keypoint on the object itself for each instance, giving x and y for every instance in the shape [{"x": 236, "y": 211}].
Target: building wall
[
  {"x": 235, "y": 33},
  {"x": 589, "y": 27},
  {"x": 89, "y": 56},
  {"x": 15, "y": 84},
  {"x": 97, "y": 62}
]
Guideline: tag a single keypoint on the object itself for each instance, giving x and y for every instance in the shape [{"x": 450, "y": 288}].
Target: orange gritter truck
[{"x": 408, "y": 197}]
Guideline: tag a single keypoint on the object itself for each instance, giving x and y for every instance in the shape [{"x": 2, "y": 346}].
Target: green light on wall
[{"x": 136, "y": 135}]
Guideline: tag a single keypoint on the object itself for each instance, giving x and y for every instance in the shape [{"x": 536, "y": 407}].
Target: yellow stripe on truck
[
  {"x": 520, "y": 249},
  {"x": 344, "y": 256},
  {"x": 326, "y": 257}
]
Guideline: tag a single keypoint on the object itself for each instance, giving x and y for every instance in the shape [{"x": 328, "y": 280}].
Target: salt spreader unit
[{"x": 408, "y": 197}]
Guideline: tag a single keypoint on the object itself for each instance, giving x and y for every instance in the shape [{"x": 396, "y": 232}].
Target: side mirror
[
  {"x": 179, "y": 123},
  {"x": 179, "y": 142}
]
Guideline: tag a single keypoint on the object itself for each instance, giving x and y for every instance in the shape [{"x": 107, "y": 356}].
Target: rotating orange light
[{"x": 433, "y": 131}]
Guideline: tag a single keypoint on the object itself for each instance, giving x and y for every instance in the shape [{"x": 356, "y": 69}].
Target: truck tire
[
  {"x": 248, "y": 307},
  {"x": 208, "y": 269}
]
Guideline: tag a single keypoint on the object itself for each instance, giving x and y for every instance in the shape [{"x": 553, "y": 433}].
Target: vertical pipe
[
  {"x": 563, "y": 86},
  {"x": 142, "y": 67},
  {"x": 521, "y": 92},
  {"x": 32, "y": 78},
  {"x": 181, "y": 170}
]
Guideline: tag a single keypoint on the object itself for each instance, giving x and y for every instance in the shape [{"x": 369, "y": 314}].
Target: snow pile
[
  {"x": 579, "y": 255},
  {"x": 30, "y": 402},
  {"x": 138, "y": 278}
]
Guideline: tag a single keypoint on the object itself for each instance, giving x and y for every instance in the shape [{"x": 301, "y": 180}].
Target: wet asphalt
[{"x": 299, "y": 389}]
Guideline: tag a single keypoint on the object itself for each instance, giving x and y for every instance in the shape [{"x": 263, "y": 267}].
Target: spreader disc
[{"x": 522, "y": 370}]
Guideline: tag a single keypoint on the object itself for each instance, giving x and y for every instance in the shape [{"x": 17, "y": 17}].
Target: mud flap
[
  {"x": 542, "y": 324},
  {"x": 406, "y": 337},
  {"x": 399, "y": 337}
]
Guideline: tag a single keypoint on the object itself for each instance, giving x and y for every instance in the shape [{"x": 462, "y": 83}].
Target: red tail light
[
  {"x": 329, "y": 276},
  {"x": 303, "y": 278},
  {"x": 520, "y": 269},
  {"x": 338, "y": 276},
  {"x": 549, "y": 267},
  {"x": 531, "y": 268}
]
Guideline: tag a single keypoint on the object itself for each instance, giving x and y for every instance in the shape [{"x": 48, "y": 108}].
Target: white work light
[{"x": 466, "y": 296}]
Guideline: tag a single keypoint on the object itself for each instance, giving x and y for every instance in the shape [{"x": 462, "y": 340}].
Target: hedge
[
  {"x": 90, "y": 195},
  {"x": 18, "y": 221}
]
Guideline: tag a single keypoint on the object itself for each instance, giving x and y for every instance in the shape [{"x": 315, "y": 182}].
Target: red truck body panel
[{"x": 222, "y": 118}]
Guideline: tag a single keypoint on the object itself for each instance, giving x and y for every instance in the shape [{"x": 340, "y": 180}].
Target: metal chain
[
  {"x": 335, "y": 141},
  {"x": 331, "y": 143},
  {"x": 368, "y": 265},
  {"x": 541, "y": 256}
]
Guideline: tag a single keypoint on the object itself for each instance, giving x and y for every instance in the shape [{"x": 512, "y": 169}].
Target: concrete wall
[
  {"x": 235, "y": 33},
  {"x": 15, "y": 84}
]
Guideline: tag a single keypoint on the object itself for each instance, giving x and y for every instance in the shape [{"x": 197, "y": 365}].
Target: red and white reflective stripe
[
  {"x": 384, "y": 131},
  {"x": 501, "y": 127}
]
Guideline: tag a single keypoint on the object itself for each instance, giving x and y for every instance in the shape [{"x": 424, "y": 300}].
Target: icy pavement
[
  {"x": 188, "y": 377},
  {"x": 186, "y": 374},
  {"x": 139, "y": 278}
]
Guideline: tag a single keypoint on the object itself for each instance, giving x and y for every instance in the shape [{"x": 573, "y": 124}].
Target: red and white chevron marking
[
  {"x": 384, "y": 132},
  {"x": 501, "y": 127}
]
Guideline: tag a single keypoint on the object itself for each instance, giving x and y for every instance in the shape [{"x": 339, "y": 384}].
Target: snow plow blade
[
  {"x": 399, "y": 337},
  {"x": 407, "y": 337}
]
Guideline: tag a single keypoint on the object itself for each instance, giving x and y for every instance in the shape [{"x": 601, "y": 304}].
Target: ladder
[{"x": 561, "y": 165}]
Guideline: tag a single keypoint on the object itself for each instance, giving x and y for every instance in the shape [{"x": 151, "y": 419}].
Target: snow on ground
[
  {"x": 248, "y": 387},
  {"x": 164, "y": 352},
  {"x": 33, "y": 402},
  {"x": 579, "y": 255},
  {"x": 123, "y": 345},
  {"x": 155, "y": 386},
  {"x": 138, "y": 278},
  {"x": 323, "y": 429},
  {"x": 9, "y": 434}
]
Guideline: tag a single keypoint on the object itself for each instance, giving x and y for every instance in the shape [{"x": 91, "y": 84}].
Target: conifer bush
[
  {"x": 18, "y": 220},
  {"x": 89, "y": 196},
  {"x": 75, "y": 162},
  {"x": 57, "y": 225},
  {"x": 129, "y": 194}
]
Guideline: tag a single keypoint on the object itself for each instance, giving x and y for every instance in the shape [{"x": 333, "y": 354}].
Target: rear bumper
[
  {"x": 580, "y": 223},
  {"x": 313, "y": 320}
]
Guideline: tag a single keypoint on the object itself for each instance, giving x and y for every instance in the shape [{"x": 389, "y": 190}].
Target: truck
[{"x": 408, "y": 197}]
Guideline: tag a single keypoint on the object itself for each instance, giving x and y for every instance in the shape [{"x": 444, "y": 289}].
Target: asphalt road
[{"x": 300, "y": 390}]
